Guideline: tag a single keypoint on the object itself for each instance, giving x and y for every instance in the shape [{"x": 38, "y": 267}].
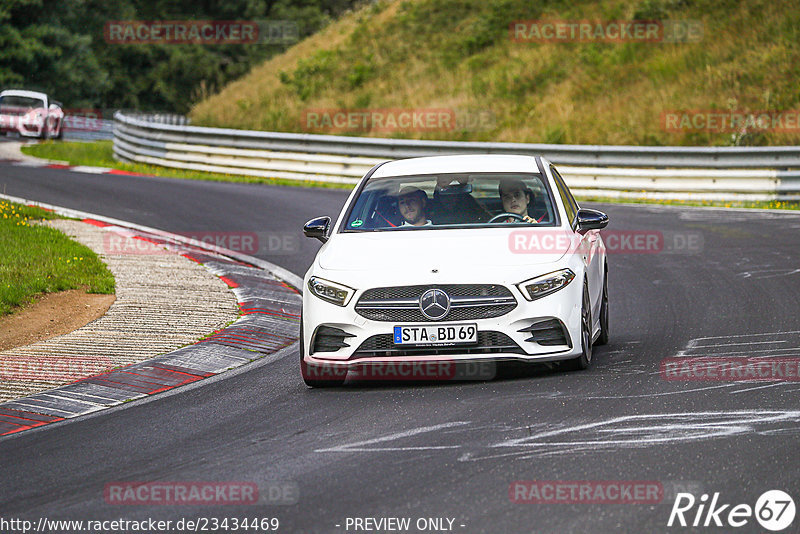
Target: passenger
[
  {"x": 516, "y": 197},
  {"x": 411, "y": 202},
  {"x": 452, "y": 204}
]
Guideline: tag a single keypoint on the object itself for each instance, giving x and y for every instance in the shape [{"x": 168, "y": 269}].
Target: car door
[{"x": 589, "y": 246}]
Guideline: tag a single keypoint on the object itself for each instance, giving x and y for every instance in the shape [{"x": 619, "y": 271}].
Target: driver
[
  {"x": 516, "y": 197},
  {"x": 411, "y": 203}
]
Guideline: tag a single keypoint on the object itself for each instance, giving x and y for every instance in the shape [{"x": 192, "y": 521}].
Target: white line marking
[
  {"x": 739, "y": 344},
  {"x": 665, "y": 393},
  {"x": 358, "y": 446},
  {"x": 775, "y": 273},
  {"x": 693, "y": 345},
  {"x": 772, "y": 385},
  {"x": 748, "y": 335},
  {"x": 90, "y": 170},
  {"x": 772, "y": 352},
  {"x": 635, "y": 431}
]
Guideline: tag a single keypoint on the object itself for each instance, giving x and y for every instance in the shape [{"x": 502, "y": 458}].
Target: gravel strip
[{"x": 164, "y": 301}]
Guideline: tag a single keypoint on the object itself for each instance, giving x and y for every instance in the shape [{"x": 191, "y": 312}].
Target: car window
[
  {"x": 13, "y": 104},
  {"x": 566, "y": 196},
  {"x": 451, "y": 200}
]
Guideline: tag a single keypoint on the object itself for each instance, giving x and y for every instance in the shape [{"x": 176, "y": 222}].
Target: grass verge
[
  {"x": 464, "y": 56},
  {"x": 37, "y": 259},
  {"x": 100, "y": 154}
]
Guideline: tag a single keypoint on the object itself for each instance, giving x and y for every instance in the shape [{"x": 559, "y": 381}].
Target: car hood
[{"x": 424, "y": 250}]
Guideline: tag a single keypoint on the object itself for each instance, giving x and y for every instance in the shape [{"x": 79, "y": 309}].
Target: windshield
[
  {"x": 19, "y": 105},
  {"x": 451, "y": 201}
]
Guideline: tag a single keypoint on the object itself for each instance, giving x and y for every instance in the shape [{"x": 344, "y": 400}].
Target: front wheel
[
  {"x": 319, "y": 376},
  {"x": 603, "y": 338},
  {"x": 585, "y": 359}
]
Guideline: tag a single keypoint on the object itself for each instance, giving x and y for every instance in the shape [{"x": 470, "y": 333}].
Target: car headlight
[
  {"x": 330, "y": 291},
  {"x": 543, "y": 285}
]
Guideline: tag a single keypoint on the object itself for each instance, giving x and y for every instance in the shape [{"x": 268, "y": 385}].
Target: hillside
[{"x": 458, "y": 56}]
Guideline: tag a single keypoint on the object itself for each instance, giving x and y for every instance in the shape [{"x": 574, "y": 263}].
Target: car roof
[
  {"x": 457, "y": 164},
  {"x": 20, "y": 92}
]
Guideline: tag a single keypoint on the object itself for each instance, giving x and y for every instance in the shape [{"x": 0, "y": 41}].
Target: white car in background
[
  {"x": 500, "y": 264},
  {"x": 30, "y": 114}
]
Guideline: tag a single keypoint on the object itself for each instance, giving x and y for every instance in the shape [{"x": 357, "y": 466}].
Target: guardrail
[
  {"x": 714, "y": 173},
  {"x": 88, "y": 130}
]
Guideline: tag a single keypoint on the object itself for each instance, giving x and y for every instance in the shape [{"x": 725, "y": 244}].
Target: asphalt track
[{"x": 450, "y": 450}]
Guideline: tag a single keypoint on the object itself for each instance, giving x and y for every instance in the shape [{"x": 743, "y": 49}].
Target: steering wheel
[{"x": 506, "y": 215}]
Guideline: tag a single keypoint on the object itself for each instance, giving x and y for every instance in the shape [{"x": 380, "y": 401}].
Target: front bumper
[
  {"x": 340, "y": 337},
  {"x": 24, "y": 125}
]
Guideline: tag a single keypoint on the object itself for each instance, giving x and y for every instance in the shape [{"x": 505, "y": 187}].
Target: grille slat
[
  {"x": 329, "y": 339},
  {"x": 468, "y": 302},
  {"x": 549, "y": 333}
]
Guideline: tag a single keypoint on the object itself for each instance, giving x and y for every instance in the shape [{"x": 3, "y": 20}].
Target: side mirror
[
  {"x": 591, "y": 220},
  {"x": 318, "y": 228}
]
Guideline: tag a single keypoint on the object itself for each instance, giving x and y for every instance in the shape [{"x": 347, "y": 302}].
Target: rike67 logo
[{"x": 774, "y": 510}]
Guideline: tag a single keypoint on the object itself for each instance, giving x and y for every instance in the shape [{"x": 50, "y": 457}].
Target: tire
[
  {"x": 584, "y": 361},
  {"x": 603, "y": 338},
  {"x": 316, "y": 376}
]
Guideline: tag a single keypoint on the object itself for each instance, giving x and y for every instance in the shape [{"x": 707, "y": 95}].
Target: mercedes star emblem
[{"x": 434, "y": 304}]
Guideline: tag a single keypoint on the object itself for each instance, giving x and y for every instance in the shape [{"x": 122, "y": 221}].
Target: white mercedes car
[
  {"x": 30, "y": 114},
  {"x": 446, "y": 261}
]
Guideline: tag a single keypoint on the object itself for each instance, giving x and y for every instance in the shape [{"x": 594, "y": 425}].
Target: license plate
[{"x": 435, "y": 335}]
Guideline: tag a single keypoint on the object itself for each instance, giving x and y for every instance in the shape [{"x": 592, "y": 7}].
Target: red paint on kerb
[
  {"x": 94, "y": 222},
  {"x": 228, "y": 281},
  {"x": 125, "y": 173}
]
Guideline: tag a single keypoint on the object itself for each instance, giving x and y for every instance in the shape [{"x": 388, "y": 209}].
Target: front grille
[
  {"x": 489, "y": 342},
  {"x": 454, "y": 290},
  {"x": 548, "y": 333},
  {"x": 468, "y": 302}
]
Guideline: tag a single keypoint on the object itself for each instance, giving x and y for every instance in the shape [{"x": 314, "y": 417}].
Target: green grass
[
  {"x": 100, "y": 154},
  {"x": 36, "y": 259},
  {"x": 458, "y": 55}
]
